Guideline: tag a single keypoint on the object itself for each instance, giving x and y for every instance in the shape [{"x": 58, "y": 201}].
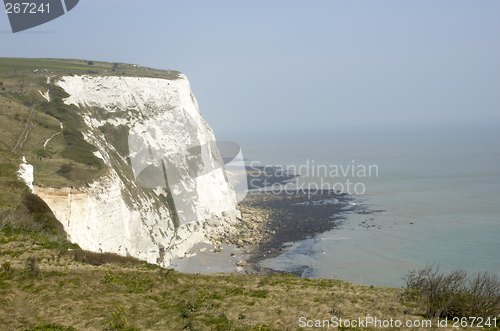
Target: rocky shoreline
[{"x": 269, "y": 221}]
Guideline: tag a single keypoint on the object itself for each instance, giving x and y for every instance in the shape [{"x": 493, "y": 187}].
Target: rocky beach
[{"x": 270, "y": 222}]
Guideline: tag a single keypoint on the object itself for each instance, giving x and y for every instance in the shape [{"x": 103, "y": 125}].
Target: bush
[
  {"x": 90, "y": 63},
  {"x": 188, "y": 310},
  {"x": 109, "y": 277},
  {"x": 78, "y": 150},
  {"x": 33, "y": 267},
  {"x": 98, "y": 259},
  {"x": 118, "y": 321},
  {"x": 262, "y": 294},
  {"x": 6, "y": 267},
  {"x": 35, "y": 204},
  {"x": 65, "y": 169},
  {"x": 41, "y": 216},
  {"x": 43, "y": 153},
  {"x": 42, "y": 326},
  {"x": 455, "y": 294}
]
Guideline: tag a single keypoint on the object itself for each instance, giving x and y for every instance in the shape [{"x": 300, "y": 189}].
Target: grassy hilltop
[
  {"x": 72, "y": 66},
  {"x": 29, "y": 119},
  {"x": 48, "y": 283}
]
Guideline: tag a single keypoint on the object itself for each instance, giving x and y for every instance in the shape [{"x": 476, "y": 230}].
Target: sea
[{"x": 433, "y": 196}]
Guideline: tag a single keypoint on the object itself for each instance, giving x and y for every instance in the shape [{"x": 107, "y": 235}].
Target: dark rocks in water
[{"x": 271, "y": 220}]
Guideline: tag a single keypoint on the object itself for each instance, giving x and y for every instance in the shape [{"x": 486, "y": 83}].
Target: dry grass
[{"x": 85, "y": 296}]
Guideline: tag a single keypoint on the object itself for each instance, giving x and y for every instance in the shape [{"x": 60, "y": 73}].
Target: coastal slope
[{"x": 126, "y": 162}]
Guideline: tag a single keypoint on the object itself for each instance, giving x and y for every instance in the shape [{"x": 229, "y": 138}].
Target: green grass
[
  {"x": 58, "y": 288},
  {"x": 117, "y": 136},
  {"x": 66, "y": 146},
  {"x": 23, "y": 109},
  {"x": 23, "y": 215},
  {"x": 9, "y": 65},
  {"x": 18, "y": 64}
]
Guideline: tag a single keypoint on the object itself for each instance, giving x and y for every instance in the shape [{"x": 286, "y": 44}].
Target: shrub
[
  {"x": 43, "y": 153},
  {"x": 90, "y": 63},
  {"x": 455, "y": 294},
  {"x": 65, "y": 169},
  {"x": 98, "y": 259},
  {"x": 57, "y": 94},
  {"x": 42, "y": 326},
  {"x": 33, "y": 267},
  {"x": 35, "y": 204},
  {"x": 262, "y": 294},
  {"x": 78, "y": 150},
  {"x": 15, "y": 184},
  {"x": 109, "y": 277},
  {"x": 8, "y": 170},
  {"x": 6, "y": 267},
  {"x": 188, "y": 310},
  {"x": 41, "y": 215},
  {"x": 119, "y": 322},
  {"x": 262, "y": 327},
  {"x": 117, "y": 136}
]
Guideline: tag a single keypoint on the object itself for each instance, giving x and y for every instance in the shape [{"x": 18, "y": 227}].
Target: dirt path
[
  {"x": 55, "y": 134},
  {"x": 26, "y": 131},
  {"x": 16, "y": 311}
]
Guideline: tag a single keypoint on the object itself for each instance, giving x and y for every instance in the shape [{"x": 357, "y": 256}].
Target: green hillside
[
  {"x": 51, "y": 288},
  {"x": 29, "y": 120}
]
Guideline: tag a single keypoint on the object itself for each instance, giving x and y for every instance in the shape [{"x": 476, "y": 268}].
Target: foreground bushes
[
  {"x": 455, "y": 294},
  {"x": 98, "y": 259}
]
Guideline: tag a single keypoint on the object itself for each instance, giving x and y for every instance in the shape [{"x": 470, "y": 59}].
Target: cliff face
[{"x": 165, "y": 187}]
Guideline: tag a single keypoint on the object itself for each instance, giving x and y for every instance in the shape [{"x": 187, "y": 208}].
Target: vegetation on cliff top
[
  {"x": 74, "y": 66},
  {"x": 31, "y": 124}
]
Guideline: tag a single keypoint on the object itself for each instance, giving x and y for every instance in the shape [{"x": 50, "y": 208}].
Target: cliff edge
[{"x": 131, "y": 167}]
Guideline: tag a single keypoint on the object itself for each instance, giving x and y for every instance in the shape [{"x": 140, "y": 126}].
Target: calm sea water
[{"x": 447, "y": 183}]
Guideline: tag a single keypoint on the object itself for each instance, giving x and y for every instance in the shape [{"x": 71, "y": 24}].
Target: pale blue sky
[{"x": 297, "y": 66}]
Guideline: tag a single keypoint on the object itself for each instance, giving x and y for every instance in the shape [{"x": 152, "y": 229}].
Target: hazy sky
[{"x": 297, "y": 66}]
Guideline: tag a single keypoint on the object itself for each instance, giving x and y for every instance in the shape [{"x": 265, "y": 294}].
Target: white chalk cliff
[{"x": 151, "y": 220}]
